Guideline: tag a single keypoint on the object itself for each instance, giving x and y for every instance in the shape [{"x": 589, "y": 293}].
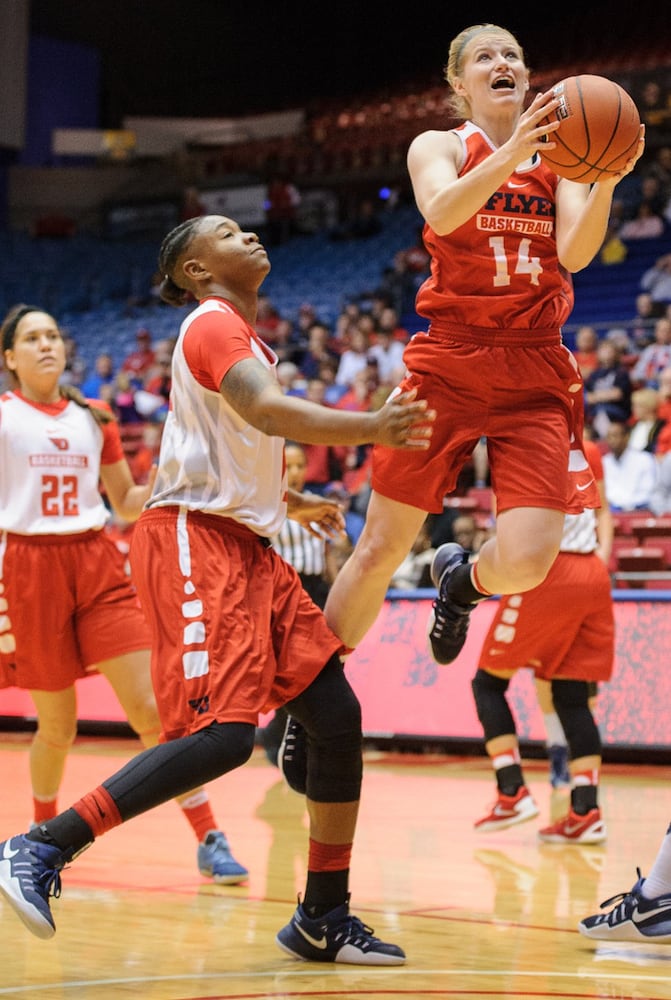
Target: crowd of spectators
[{"x": 354, "y": 362}]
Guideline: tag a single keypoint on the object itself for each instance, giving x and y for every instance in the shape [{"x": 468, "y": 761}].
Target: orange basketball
[{"x": 598, "y": 132}]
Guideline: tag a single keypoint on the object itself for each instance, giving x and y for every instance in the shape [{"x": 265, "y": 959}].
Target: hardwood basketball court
[{"x": 479, "y": 915}]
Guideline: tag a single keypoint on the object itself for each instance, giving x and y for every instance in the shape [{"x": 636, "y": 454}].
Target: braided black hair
[{"x": 173, "y": 245}]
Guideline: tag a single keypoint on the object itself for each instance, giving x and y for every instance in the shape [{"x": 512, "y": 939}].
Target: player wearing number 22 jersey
[
  {"x": 57, "y": 565},
  {"x": 496, "y": 298}
]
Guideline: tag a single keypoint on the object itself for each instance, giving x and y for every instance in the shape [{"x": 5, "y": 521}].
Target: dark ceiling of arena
[{"x": 233, "y": 57}]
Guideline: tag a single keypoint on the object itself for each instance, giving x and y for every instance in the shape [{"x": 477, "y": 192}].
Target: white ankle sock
[{"x": 658, "y": 882}]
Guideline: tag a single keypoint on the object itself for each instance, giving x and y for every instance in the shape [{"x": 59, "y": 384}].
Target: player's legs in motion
[
  {"x": 359, "y": 589},
  {"x": 56, "y": 713},
  {"x": 514, "y": 803},
  {"x": 322, "y": 928},
  {"x": 583, "y": 823},
  {"x": 515, "y": 560},
  {"x": 556, "y": 743},
  {"x": 130, "y": 677},
  {"x": 555, "y": 737}
]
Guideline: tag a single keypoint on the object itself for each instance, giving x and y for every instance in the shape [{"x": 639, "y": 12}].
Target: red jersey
[{"x": 500, "y": 268}]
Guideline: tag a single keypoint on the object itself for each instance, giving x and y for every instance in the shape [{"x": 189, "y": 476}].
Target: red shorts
[
  {"x": 70, "y": 605},
  {"x": 234, "y": 633},
  {"x": 526, "y": 400},
  {"x": 563, "y": 628}
]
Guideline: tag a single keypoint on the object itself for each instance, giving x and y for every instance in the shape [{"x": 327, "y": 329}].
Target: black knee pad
[
  {"x": 330, "y": 713},
  {"x": 492, "y": 705},
  {"x": 571, "y": 702}
]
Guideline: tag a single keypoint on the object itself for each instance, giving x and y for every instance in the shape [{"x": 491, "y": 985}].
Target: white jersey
[
  {"x": 211, "y": 459},
  {"x": 49, "y": 468},
  {"x": 580, "y": 533}
]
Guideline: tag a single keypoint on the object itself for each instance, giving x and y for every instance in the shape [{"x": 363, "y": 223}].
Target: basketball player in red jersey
[
  {"x": 234, "y": 632},
  {"x": 69, "y": 609},
  {"x": 574, "y": 655},
  {"x": 504, "y": 232}
]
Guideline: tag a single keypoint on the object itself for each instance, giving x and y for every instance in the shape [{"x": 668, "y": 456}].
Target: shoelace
[
  {"x": 621, "y": 897},
  {"x": 447, "y": 614},
  {"x": 354, "y": 931},
  {"x": 49, "y": 882}
]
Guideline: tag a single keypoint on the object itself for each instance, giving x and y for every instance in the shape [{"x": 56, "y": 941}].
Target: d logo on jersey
[{"x": 61, "y": 443}]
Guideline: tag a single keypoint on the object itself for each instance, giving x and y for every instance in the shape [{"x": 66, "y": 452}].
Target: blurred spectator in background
[
  {"x": 607, "y": 390},
  {"x": 646, "y": 224},
  {"x": 354, "y": 521},
  {"x": 630, "y": 475},
  {"x": 467, "y": 533},
  {"x": 122, "y": 399},
  {"x": 387, "y": 352},
  {"x": 158, "y": 381},
  {"x": 660, "y": 167},
  {"x": 75, "y": 366},
  {"x": 137, "y": 363},
  {"x": 103, "y": 374},
  {"x": 660, "y": 500},
  {"x": 354, "y": 359},
  {"x": 388, "y": 321},
  {"x": 316, "y": 351},
  {"x": 663, "y": 440},
  {"x": 664, "y": 391},
  {"x": 642, "y": 326},
  {"x": 655, "y": 357},
  {"x": 291, "y": 378},
  {"x": 655, "y": 111},
  {"x": 657, "y": 279},
  {"x": 646, "y": 423},
  {"x": 415, "y": 570},
  {"x": 328, "y": 370},
  {"x": 619, "y": 336},
  {"x": 585, "y": 350}
]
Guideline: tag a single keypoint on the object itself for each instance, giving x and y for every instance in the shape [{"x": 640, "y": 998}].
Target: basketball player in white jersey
[
  {"x": 69, "y": 609},
  {"x": 234, "y": 632}
]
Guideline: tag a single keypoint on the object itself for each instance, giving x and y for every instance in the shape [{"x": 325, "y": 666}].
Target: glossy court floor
[{"x": 479, "y": 915}]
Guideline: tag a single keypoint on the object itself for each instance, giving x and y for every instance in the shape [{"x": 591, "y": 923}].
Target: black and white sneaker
[
  {"x": 448, "y": 624},
  {"x": 292, "y": 756},
  {"x": 632, "y": 919},
  {"x": 29, "y": 875},
  {"x": 336, "y": 937}
]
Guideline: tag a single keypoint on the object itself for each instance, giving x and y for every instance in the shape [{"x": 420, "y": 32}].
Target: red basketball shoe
[{"x": 508, "y": 810}]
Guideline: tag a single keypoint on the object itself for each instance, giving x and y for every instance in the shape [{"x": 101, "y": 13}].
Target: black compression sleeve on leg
[
  {"x": 159, "y": 774},
  {"x": 330, "y": 713},
  {"x": 176, "y": 767},
  {"x": 571, "y": 702},
  {"x": 492, "y": 705}
]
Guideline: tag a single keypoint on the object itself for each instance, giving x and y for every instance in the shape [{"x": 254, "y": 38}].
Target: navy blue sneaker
[
  {"x": 448, "y": 624},
  {"x": 292, "y": 757},
  {"x": 215, "y": 860},
  {"x": 336, "y": 937},
  {"x": 559, "y": 772},
  {"x": 632, "y": 919},
  {"x": 29, "y": 875}
]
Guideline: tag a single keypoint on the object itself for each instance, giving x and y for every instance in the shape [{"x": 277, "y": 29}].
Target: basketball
[{"x": 598, "y": 131}]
